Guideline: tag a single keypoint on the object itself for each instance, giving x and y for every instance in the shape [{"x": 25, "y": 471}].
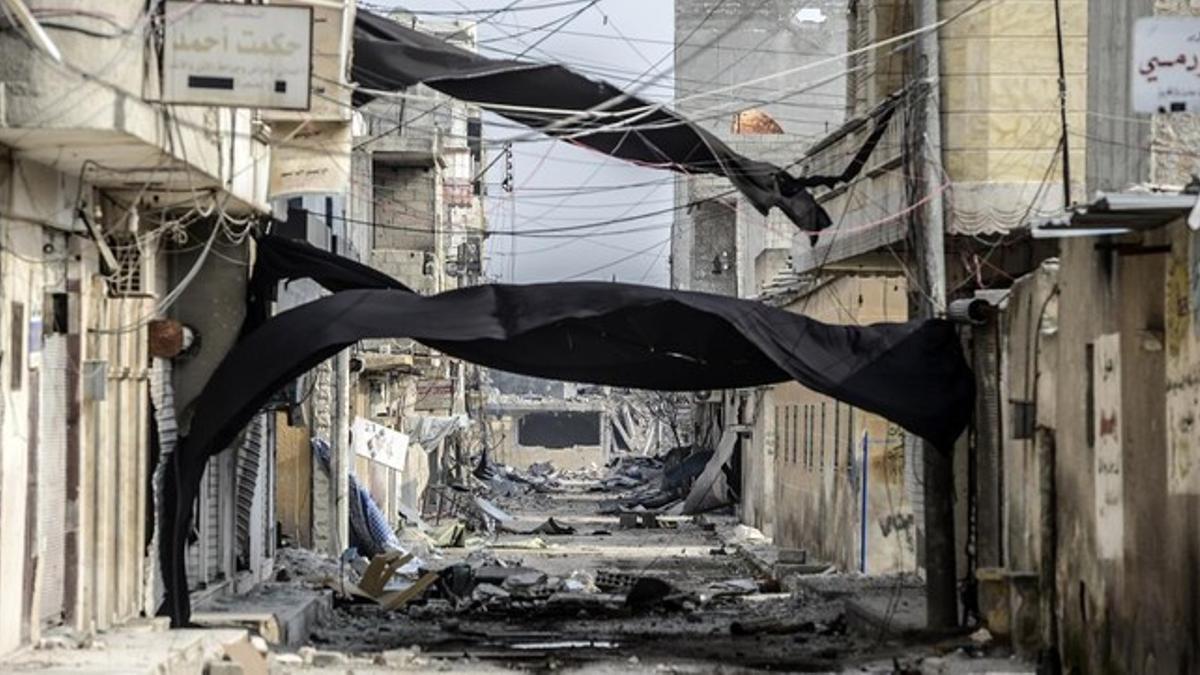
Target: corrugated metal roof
[{"x": 1116, "y": 213}]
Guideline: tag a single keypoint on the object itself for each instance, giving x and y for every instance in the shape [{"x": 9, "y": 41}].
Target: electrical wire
[{"x": 375, "y": 7}]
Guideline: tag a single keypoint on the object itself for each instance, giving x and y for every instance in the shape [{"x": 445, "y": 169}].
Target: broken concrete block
[
  {"x": 223, "y": 668},
  {"x": 306, "y": 654},
  {"x": 736, "y": 586},
  {"x": 793, "y": 556},
  {"x": 242, "y": 653},
  {"x": 486, "y": 592},
  {"x": 328, "y": 659},
  {"x": 259, "y": 644},
  {"x": 523, "y": 580},
  {"x": 397, "y": 658},
  {"x": 58, "y": 642},
  {"x": 287, "y": 660}
]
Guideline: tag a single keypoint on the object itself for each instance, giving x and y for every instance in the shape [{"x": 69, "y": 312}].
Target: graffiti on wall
[
  {"x": 897, "y": 520},
  {"x": 1110, "y": 492},
  {"x": 1182, "y": 370}
]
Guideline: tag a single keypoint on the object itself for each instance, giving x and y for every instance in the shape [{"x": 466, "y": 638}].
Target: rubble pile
[{"x": 644, "y": 482}]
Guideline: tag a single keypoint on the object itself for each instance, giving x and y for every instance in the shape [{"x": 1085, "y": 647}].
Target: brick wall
[{"x": 405, "y": 198}]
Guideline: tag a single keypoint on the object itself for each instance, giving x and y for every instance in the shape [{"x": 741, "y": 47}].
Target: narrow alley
[{"x": 713, "y": 336}]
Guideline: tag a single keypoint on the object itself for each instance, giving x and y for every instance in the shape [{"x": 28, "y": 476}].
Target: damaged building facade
[
  {"x": 1071, "y": 490},
  {"x": 131, "y": 224},
  {"x": 412, "y": 205},
  {"x": 111, "y": 206},
  {"x": 125, "y": 263}
]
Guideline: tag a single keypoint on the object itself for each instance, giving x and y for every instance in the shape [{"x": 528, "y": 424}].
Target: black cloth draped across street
[
  {"x": 560, "y": 102},
  {"x": 604, "y": 333}
]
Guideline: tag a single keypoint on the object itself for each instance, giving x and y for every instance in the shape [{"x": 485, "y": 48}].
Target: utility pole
[
  {"x": 941, "y": 578},
  {"x": 1062, "y": 104},
  {"x": 341, "y": 457}
]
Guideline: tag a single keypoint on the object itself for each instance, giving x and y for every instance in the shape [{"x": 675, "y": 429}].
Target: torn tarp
[
  {"x": 389, "y": 56},
  {"x": 604, "y": 333},
  {"x": 370, "y": 532},
  {"x": 429, "y": 430}
]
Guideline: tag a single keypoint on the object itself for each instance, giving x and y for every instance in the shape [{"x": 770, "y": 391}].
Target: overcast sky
[{"x": 593, "y": 42}]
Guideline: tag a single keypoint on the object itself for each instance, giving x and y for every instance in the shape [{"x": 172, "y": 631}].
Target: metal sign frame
[{"x": 181, "y": 9}]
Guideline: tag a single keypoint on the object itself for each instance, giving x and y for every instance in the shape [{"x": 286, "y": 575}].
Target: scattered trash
[
  {"x": 746, "y": 534},
  {"x": 456, "y": 581},
  {"x": 610, "y": 581},
  {"x": 566, "y": 644},
  {"x": 526, "y": 544},
  {"x": 632, "y": 520},
  {"x": 553, "y": 528},
  {"x": 450, "y": 535},
  {"x": 523, "y": 580},
  {"x": 648, "y": 591},
  {"x": 486, "y": 593},
  {"x": 493, "y": 517},
  {"x": 981, "y": 636},
  {"x": 736, "y": 586},
  {"x": 580, "y": 581},
  {"x": 777, "y": 625},
  {"x": 498, "y": 575}
]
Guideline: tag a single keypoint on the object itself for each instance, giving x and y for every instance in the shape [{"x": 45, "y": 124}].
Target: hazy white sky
[{"x": 593, "y": 43}]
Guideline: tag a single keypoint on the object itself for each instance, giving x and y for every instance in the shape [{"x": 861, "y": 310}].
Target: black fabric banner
[
  {"x": 603, "y": 333},
  {"x": 391, "y": 57}
]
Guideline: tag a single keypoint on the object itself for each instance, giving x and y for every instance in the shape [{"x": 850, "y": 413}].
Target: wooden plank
[
  {"x": 293, "y": 481},
  {"x": 380, "y": 570},
  {"x": 400, "y": 598}
]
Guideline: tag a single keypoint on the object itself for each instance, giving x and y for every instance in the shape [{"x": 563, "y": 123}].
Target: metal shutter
[{"x": 52, "y": 477}]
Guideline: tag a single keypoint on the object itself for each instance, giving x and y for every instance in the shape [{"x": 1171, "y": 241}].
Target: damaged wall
[
  {"x": 1127, "y": 531},
  {"x": 826, "y": 452},
  {"x": 727, "y": 42},
  {"x": 73, "y": 420},
  {"x": 510, "y": 451}
]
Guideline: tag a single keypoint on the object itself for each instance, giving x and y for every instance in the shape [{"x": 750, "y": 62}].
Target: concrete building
[
  {"x": 859, "y": 504},
  {"x": 572, "y": 434},
  {"x": 718, "y": 243},
  {"x": 412, "y": 208},
  {"x": 1093, "y": 488}
]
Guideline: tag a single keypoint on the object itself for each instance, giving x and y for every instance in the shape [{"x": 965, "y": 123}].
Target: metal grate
[{"x": 127, "y": 279}]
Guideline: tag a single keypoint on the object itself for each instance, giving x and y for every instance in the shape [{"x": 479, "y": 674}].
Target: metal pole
[
  {"x": 938, "y": 469},
  {"x": 341, "y": 456},
  {"x": 1062, "y": 104}
]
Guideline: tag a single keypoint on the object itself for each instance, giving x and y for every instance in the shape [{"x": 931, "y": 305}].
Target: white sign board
[
  {"x": 309, "y": 157},
  {"x": 379, "y": 443},
  {"x": 225, "y": 54},
  {"x": 1166, "y": 64}
]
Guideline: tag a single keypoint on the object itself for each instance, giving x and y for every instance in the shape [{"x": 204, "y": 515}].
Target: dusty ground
[{"x": 694, "y": 630}]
